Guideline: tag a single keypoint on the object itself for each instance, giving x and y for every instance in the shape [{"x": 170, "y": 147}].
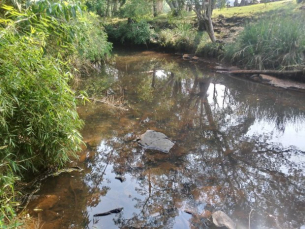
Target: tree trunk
[
  {"x": 175, "y": 4},
  {"x": 155, "y": 8},
  {"x": 108, "y": 8},
  {"x": 122, "y": 2},
  {"x": 202, "y": 25},
  {"x": 189, "y": 7},
  {"x": 207, "y": 25},
  {"x": 204, "y": 17},
  {"x": 170, "y": 4},
  {"x": 210, "y": 30},
  {"x": 115, "y": 7},
  {"x": 159, "y": 6}
]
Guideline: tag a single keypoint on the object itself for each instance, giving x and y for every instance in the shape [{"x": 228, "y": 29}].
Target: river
[{"x": 239, "y": 148}]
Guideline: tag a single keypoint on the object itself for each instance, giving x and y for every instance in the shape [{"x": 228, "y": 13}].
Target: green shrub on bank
[
  {"x": 132, "y": 32},
  {"x": 274, "y": 42},
  {"x": 90, "y": 39},
  {"x": 38, "y": 114},
  {"x": 140, "y": 9},
  {"x": 39, "y": 125},
  {"x": 184, "y": 37},
  {"x": 38, "y": 118}
]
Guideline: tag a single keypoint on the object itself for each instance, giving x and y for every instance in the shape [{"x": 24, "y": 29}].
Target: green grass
[
  {"x": 274, "y": 41},
  {"x": 254, "y": 10},
  {"x": 186, "y": 17},
  {"x": 244, "y": 11}
]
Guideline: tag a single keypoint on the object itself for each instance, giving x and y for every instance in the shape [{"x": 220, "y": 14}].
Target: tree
[
  {"x": 221, "y": 4},
  {"x": 204, "y": 10},
  {"x": 176, "y": 6},
  {"x": 157, "y": 7},
  {"x": 137, "y": 9}
]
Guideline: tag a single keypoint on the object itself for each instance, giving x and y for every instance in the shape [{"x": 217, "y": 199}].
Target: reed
[{"x": 275, "y": 41}]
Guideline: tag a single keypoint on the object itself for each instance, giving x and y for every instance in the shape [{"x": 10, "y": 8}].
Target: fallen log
[{"x": 272, "y": 72}]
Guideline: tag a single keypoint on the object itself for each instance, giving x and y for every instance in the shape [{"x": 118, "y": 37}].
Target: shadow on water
[{"x": 239, "y": 148}]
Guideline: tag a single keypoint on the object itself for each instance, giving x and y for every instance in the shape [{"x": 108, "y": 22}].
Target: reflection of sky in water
[
  {"x": 161, "y": 74},
  {"x": 111, "y": 71},
  {"x": 182, "y": 220},
  {"x": 119, "y": 195},
  {"x": 294, "y": 134},
  {"x": 219, "y": 96}
]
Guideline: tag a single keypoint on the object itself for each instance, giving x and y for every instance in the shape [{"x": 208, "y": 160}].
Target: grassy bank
[
  {"x": 255, "y": 10},
  {"x": 264, "y": 43},
  {"x": 276, "y": 40}
]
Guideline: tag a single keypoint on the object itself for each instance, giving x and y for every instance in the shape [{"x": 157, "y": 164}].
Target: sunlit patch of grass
[
  {"x": 255, "y": 9},
  {"x": 115, "y": 20},
  {"x": 244, "y": 11}
]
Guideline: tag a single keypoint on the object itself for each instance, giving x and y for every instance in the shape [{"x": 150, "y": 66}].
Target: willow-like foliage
[{"x": 39, "y": 124}]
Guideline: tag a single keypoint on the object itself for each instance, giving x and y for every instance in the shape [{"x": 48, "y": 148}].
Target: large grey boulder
[
  {"x": 221, "y": 219},
  {"x": 155, "y": 141}
]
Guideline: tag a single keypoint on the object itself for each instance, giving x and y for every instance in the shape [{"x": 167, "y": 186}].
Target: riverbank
[{"x": 248, "y": 37}]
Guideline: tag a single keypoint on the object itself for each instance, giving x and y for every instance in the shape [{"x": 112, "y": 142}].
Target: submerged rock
[
  {"x": 155, "y": 141},
  {"x": 221, "y": 219},
  {"x": 129, "y": 137},
  {"x": 46, "y": 202}
]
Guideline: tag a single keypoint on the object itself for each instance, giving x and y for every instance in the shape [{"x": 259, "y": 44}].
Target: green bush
[
  {"x": 90, "y": 39},
  {"x": 39, "y": 124},
  {"x": 38, "y": 116},
  {"x": 182, "y": 38},
  {"x": 139, "y": 9},
  {"x": 209, "y": 49},
  {"x": 38, "y": 119},
  {"x": 133, "y": 33},
  {"x": 274, "y": 42}
]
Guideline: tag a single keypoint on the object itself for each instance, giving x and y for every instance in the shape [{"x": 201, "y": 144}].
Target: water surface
[{"x": 239, "y": 148}]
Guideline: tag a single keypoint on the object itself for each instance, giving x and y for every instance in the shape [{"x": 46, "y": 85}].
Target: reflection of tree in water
[{"x": 215, "y": 162}]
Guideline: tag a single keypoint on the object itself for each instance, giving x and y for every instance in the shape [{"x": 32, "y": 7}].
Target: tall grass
[
  {"x": 7, "y": 194},
  {"x": 184, "y": 37},
  {"x": 275, "y": 41}
]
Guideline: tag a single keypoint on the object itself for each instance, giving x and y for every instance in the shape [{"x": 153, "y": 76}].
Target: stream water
[{"x": 239, "y": 148}]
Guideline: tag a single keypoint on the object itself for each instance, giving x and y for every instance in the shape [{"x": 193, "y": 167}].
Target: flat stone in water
[
  {"x": 221, "y": 219},
  {"x": 155, "y": 141}
]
